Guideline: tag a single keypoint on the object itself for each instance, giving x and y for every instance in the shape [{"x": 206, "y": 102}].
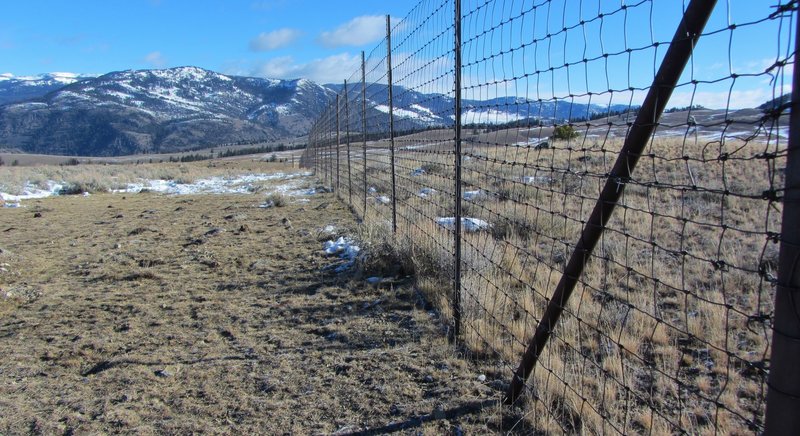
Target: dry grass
[
  {"x": 105, "y": 177},
  {"x": 151, "y": 314},
  {"x": 668, "y": 327}
]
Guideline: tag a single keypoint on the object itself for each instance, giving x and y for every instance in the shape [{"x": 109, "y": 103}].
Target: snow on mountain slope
[{"x": 159, "y": 111}]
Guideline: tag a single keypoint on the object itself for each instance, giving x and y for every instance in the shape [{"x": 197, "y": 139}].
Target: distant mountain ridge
[
  {"x": 155, "y": 111},
  {"x": 20, "y": 88},
  {"x": 189, "y": 108}
]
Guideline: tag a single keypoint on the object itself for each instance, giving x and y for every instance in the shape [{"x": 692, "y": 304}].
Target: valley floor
[{"x": 155, "y": 314}]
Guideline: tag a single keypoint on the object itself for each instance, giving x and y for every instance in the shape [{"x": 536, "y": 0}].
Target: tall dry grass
[{"x": 668, "y": 328}]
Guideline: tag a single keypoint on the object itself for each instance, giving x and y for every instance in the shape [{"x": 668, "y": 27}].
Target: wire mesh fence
[{"x": 495, "y": 139}]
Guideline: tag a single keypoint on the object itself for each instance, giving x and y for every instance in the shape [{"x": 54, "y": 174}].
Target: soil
[{"x": 151, "y": 314}]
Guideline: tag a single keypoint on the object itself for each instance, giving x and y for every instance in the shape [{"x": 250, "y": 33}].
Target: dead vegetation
[
  {"x": 157, "y": 314},
  {"x": 668, "y": 328}
]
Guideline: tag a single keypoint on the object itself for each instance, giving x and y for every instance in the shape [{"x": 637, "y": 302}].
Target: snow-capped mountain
[
  {"x": 185, "y": 108},
  {"x": 160, "y": 111},
  {"x": 20, "y": 88},
  {"x": 414, "y": 110}
]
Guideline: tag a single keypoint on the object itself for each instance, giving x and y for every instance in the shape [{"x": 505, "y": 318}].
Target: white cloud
[
  {"x": 156, "y": 59},
  {"x": 274, "y": 40},
  {"x": 332, "y": 69},
  {"x": 739, "y": 99},
  {"x": 356, "y": 32}
]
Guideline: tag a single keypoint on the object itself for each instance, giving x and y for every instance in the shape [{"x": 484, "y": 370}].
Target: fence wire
[{"x": 668, "y": 329}]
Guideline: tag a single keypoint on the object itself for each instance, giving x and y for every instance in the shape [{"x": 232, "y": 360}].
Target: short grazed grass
[{"x": 152, "y": 314}]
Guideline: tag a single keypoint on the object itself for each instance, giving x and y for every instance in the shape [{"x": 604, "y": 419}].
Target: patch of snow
[
  {"x": 537, "y": 180},
  {"x": 383, "y": 199},
  {"x": 467, "y": 223},
  {"x": 488, "y": 116},
  {"x": 423, "y": 109},
  {"x": 473, "y": 195},
  {"x": 345, "y": 248},
  {"x": 424, "y": 192},
  {"x": 217, "y": 185},
  {"x": 417, "y": 172},
  {"x": 30, "y": 191}
]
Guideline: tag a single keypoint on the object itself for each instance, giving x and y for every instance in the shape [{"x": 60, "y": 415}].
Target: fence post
[
  {"x": 327, "y": 161},
  {"x": 391, "y": 119},
  {"x": 347, "y": 139},
  {"x": 783, "y": 392},
  {"x": 338, "y": 144},
  {"x": 364, "y": 126},
  {"x": 678, "y": 54},
  {"x": 457, "y": 224}
]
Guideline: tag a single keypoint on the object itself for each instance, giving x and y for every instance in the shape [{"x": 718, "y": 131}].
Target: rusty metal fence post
[
  {"x": 672, "y": 66},
  {"x": 457, "y": 176},
  {"x": 391, "y": 120},
  {"x": 783, "y": 393}
]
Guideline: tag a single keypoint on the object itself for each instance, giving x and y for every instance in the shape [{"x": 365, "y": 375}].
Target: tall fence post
[
  {"x": 338, "y": 144},
  {"x": 678, "y": 54},
  {"x": 783, "y": 393},
  {"x": 391, "y": 119},
  {"x": 329, "y": 149},
  {"x": 364, "y": 125},
  {"x": 457, "y": 140},
  {"x": 347, "y": 139}
]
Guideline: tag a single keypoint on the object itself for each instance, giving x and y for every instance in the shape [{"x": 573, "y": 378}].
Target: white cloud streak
[
  {"x": 156, "y": 59},
  {"x": 332, "y": 69},
  {"x": 274, "y": 40},
  {"x": 359, "y": 31}
]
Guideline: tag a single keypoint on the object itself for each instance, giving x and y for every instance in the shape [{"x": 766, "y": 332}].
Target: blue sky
[
  {"x": 322, "y": 40},
  {"x": 230, "y": 36}
]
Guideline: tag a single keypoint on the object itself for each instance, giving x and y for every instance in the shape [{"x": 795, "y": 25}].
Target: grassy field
[
  {"x": 154, "y": 314},
  {"x": 668, "y": 329}
]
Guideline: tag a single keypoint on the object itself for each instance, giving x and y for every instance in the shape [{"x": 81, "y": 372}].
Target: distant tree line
[{"x": 694, "y": 107}]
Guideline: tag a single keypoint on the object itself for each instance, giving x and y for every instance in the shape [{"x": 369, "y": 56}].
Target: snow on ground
[
  {"x": 537, "y": 180},
  {"x": 30, "y": 192},
  {"x": 473, "y": 195},
  {"x": 467, "y": 223},
  {"x": 345, "y": 248},
  {"x": 243, "y": 184},
  {"x": 424, "y": 192}
]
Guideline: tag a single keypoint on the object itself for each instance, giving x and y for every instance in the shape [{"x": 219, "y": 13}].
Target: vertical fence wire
[{"x": 669, "y": 326}]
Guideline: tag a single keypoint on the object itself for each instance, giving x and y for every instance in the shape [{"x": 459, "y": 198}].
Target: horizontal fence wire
[{"x": 669, "y": 327}]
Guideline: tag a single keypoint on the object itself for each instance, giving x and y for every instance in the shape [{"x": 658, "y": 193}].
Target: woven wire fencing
[{"x": 482, "y": 135}]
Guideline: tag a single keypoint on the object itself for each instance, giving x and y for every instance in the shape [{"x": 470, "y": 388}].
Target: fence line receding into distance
[{"x": 592, "y": 194}]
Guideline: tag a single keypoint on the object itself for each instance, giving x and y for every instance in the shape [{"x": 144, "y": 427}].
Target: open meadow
[{"x": 155, "y": 313}]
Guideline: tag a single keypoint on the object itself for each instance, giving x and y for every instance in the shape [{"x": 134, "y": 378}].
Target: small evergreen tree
[{"x": 564, "y": 132}]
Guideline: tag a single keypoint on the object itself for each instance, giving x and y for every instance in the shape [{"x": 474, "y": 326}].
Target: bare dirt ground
[{"x": 152, "y": 314}]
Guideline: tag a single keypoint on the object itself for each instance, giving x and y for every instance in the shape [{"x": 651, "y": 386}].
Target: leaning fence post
[
  {"x": 364, "y": 126},
  {"x": 457, "y": 140},
  {"x": 783, "y": 393},
  {"x": 391, "y": 119},
  {"x": 678, "y": 54}
]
